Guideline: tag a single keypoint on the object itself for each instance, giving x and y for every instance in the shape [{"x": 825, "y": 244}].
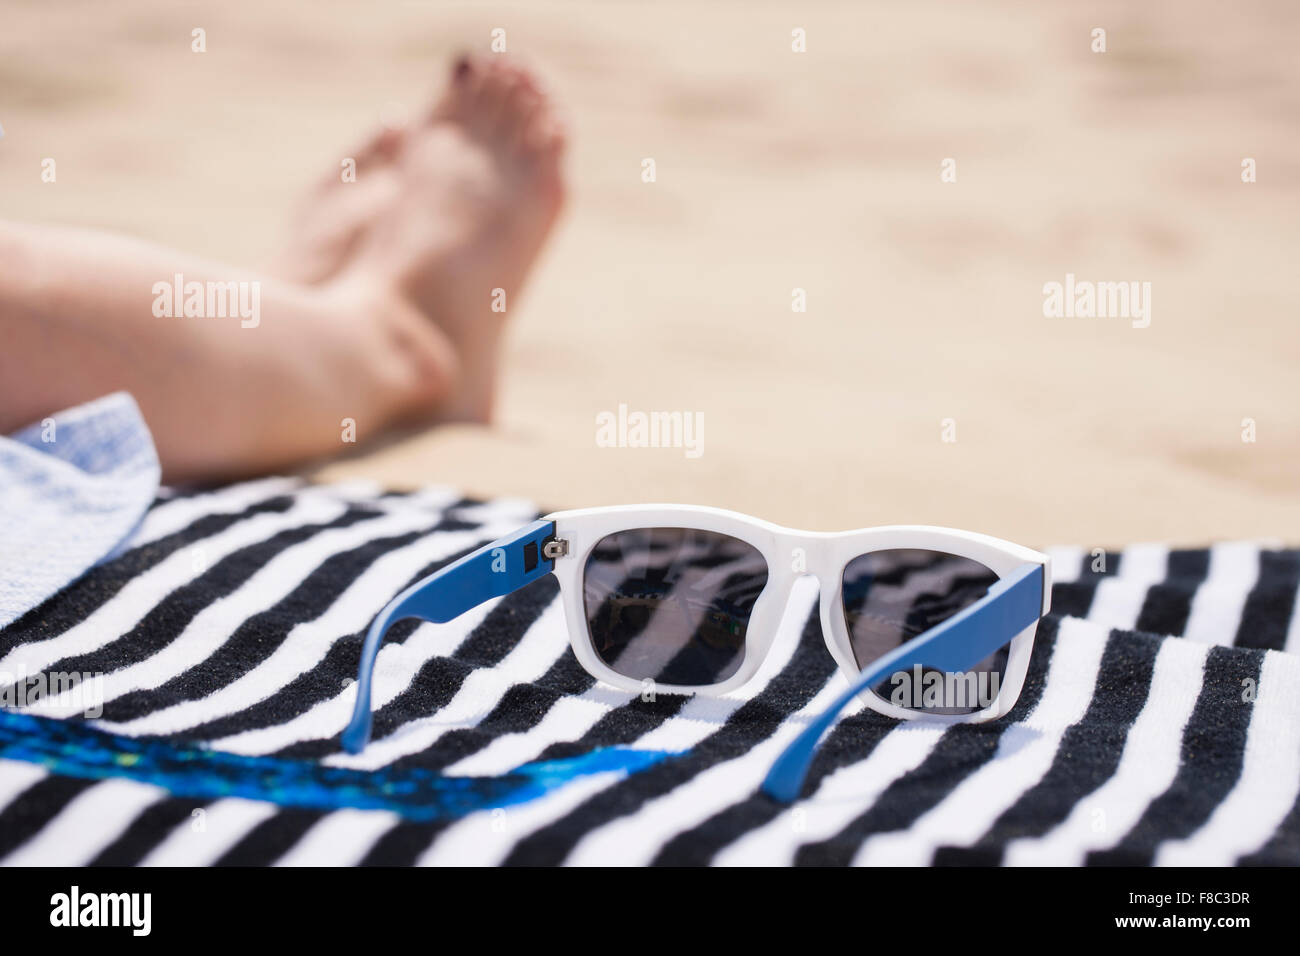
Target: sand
[{"x": 778, "y": 171}]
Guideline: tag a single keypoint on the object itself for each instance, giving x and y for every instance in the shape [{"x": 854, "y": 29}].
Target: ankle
[{"x": 404, "y": 364}]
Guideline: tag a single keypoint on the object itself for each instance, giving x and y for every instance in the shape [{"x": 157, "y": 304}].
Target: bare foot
[{"x": 442, "y": 225}]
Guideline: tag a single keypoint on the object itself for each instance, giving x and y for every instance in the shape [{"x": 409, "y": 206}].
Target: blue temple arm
[
  {"x": 494, "y": 570},
  {"x": 958, "y": 644}
]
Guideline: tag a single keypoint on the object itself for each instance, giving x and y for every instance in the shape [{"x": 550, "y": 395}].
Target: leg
[
  {"x": 380, "y": 310},
  {"x": 77, "y": 319}
]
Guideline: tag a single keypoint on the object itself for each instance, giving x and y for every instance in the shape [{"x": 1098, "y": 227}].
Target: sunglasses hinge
[{"x": 555, "y": 548}]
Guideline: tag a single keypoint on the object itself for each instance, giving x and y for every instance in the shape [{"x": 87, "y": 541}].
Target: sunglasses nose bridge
[
  {"x": 808, "y": 573},
  {"x": 804, "y": 555},
  {"x": 814, "y": 557},
  {"x": 798, "y": 561}
]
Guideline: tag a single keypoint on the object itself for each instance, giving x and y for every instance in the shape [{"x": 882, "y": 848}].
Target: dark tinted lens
[
  {"x": 672, "y": 604},
  {"x": 892, "y": 596}
]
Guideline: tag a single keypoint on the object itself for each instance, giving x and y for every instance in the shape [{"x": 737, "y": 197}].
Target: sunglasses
[{"x": 924, "y": 622}]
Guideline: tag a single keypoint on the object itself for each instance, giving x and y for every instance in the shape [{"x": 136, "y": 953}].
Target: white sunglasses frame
[{"x": 824, "y": 556}]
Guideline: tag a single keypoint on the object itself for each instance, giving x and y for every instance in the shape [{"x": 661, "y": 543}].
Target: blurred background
[{"x": 778, "y": 171}]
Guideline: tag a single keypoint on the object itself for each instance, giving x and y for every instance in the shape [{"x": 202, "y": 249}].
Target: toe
[
  {"x": 492, "y": 92},
  {"x": 462, "y": 69},
  {"x": 525, "y": 104},
  {"x": 541, "y": 152},
  {"x": 522, "y": 107},
  {"x": 383, "y": 148},
  {"x": 544, "y": 132},
  {"x": 524, "y": 77},
  {"x": 379, "y": 151},
  {"x": 459, "y": 99},
  {"x": 553, "y": 140}
]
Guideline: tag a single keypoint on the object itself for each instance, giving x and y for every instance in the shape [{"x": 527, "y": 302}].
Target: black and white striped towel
[{"x": 1160, "y": 722}]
